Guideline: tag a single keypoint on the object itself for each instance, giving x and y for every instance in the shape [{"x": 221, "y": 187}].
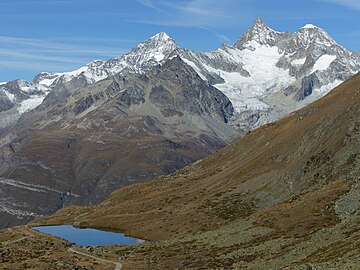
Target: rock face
[{"x": 78, "y": 146}]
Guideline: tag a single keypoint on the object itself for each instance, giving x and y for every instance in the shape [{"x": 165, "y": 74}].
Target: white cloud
[
  {"x": 53, "y": 55},
  {"x": 56, "y": 46},
  {"x": 210, "y": 15},
  {"x": 150, "y": 4},
  {"x": 198, "y": 13},
  {"x": 354, "y": 4}
]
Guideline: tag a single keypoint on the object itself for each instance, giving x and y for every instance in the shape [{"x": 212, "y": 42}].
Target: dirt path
[
  {"x": 27, "y": 235},
  {"x": 118, "y": 265},
  {"x": 14, "y": 241}
]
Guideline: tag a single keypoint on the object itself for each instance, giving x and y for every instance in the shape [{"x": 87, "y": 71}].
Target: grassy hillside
[{"x": 285, "y": 196}]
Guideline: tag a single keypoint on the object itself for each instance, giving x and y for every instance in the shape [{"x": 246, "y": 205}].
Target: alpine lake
[{"x": 88, "y": 237}]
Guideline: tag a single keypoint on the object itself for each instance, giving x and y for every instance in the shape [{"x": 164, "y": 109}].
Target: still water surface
[{"x": 87, "y": 237}]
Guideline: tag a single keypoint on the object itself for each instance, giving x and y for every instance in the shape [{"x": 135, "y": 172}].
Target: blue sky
[{"x": 62, "y": 35}]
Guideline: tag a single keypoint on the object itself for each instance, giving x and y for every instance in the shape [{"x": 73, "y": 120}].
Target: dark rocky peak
[{"x": 260, "y": 33}]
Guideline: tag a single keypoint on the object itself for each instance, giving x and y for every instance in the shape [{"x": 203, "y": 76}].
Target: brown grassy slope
[
  {"x": 23, "y": 248},
  {"x": 310, "y": 156}
]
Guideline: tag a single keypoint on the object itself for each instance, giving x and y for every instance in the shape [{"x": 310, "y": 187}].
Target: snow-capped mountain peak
[
  {"x": 309, "y": 26},
  {"x": 163, "y": 37},
  {"x": 261, "y": 34},
  {"x": 25, "y": 96},
  {"x": 311, "y": 34},
  {"x": 157, "y": 48},
  {"x": 144, "y": 55}
]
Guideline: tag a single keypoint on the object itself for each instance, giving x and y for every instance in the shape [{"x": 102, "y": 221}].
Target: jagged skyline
[{"x": 63, "y": 35}]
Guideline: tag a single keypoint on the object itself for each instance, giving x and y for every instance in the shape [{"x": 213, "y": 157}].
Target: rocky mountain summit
[
  {"x": 262, "y": 35},
  {"x": 268, "y": 74}
]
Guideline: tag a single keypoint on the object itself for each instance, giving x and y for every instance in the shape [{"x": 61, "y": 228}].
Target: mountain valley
[{"x": 245, "y": 157}]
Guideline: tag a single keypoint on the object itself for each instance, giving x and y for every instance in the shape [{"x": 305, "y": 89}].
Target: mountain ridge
[{"x": 300, "y": 68}]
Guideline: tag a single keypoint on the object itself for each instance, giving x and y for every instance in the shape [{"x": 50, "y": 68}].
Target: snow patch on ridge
[
  {"x": 195, "y": 67},
  {"x": 323, "y": 62},
  {"x": 48, "y": 82},
  {"x": 309, "y": 26},
  {"x": 300, "y": 61}
]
